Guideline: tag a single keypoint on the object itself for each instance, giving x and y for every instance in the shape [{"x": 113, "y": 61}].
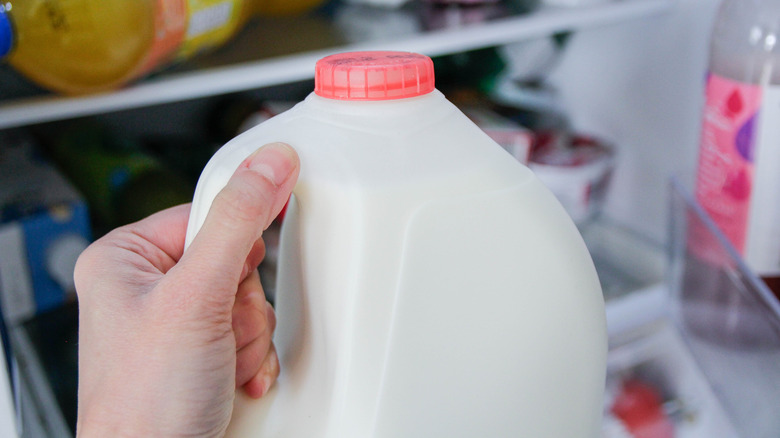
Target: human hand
[{"x": 166, "y": 337}]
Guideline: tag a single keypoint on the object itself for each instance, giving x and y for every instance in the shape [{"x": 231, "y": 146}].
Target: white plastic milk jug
[{"x": 429, "y": 285}]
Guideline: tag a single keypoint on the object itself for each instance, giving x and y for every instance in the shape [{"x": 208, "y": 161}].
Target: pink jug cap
[{"x": 373, "y": 76}]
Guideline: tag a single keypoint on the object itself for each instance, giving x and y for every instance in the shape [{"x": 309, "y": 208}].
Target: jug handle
[{"x": 213, "y": 179}]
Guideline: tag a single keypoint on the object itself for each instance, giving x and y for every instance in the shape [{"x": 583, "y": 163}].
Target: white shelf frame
[{"x": 292, "y": 68}]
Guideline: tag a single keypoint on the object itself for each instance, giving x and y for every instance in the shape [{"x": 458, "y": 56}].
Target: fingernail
[
  {"x": 269, "y": 373},
  {"x": 275, "y": 161}
]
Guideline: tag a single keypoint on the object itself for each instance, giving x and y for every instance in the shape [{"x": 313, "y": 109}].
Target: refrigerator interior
[
  {"x": 629, "y": 72},
  {"x": 640, "y": 84}
]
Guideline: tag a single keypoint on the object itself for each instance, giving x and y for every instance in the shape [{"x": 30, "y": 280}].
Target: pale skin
[{"x": 167, "y": 337}]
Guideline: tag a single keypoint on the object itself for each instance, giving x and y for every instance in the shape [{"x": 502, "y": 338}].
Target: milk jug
[{"x": 429, "y": 285}]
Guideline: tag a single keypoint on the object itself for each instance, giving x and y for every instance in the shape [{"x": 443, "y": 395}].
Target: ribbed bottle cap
[
  {"x": 6, "y": 33},
  {"x": 373, "y": 76}
]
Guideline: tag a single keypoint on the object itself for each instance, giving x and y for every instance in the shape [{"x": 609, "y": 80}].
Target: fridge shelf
[{"x": 244, "y": 64}]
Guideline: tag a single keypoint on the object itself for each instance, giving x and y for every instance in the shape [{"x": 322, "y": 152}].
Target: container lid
[
  {"x": 6, "y": 33},
  {"x": 373, "y": 76}
]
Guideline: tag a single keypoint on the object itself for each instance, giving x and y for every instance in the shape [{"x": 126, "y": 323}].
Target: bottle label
[
  {"x": 185, "y": 27},
  {"x": 738, "y": 178},
  {"x": 170, "y": 24},
  {"x": 209, "y": 24}
]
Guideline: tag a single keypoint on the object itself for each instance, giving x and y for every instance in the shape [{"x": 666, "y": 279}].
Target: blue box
[{"x": 44, "y": 226}]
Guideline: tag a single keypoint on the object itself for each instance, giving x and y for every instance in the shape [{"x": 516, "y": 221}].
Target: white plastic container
[{"x": 429, "y": 285}]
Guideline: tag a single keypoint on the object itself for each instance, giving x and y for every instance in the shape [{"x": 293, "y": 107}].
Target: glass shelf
[{"x": 283, "y": 50}]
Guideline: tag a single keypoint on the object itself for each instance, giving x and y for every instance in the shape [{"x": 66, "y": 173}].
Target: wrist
[
  {"x": 101, "y": 423},
  {"x": 105, "y": 426}
]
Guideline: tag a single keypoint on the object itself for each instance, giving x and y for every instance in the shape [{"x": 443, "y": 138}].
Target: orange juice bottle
[{"x": 85, "y": 46}]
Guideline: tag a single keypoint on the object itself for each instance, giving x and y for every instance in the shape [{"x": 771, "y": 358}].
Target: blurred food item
[
  {"x": 121, "y": 181},
  {"x": 576, "y": 168},
  {"x": 185, "y": 154},
  {"x": 639, "y": 407},
  {"x": 86, "y": 46},
  {"x": 44, "y": 226},
  {"x": 511, "y": 136},
  {"x": 738, "y": 175},
  {"x": 360, "y": 22},
  {"x": 448, "y": 15}
]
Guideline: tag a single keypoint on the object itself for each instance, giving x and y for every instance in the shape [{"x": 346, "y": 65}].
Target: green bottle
[{"x": 121, "y": 182}]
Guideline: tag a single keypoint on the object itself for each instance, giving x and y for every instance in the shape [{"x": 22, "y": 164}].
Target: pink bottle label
[{"x": 725, "y": 175}]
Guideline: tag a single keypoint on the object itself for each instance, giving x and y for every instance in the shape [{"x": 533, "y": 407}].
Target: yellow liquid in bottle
[
  {"x": 87, "y": 46},
  {"x": 80, "y": 46}
]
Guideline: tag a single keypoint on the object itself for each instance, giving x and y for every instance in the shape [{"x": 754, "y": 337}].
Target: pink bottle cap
[{"x": 373, "y": 76}]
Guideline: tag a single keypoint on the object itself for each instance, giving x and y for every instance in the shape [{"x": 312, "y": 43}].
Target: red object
[
  {"x": 640, "y": 408},
  {"x": 373, "y": 76}
]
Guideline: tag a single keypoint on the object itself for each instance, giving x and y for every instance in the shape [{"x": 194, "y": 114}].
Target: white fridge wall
[{"x": 640, "y": 85}]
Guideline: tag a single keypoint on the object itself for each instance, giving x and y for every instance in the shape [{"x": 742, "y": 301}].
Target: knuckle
[
  {"x": 260, "y": 324},
  {"x": 250, "y": 317},
  {"x": 86, "y": 265}
]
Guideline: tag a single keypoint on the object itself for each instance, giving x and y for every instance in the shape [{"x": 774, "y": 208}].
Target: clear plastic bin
[{"x": 727, "y": 317}]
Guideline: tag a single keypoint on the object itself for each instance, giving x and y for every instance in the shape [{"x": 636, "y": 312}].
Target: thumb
[{"x": 242, "y": 210}]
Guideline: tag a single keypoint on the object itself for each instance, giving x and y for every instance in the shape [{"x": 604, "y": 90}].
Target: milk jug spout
[{"x": 429, "y": 285}]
